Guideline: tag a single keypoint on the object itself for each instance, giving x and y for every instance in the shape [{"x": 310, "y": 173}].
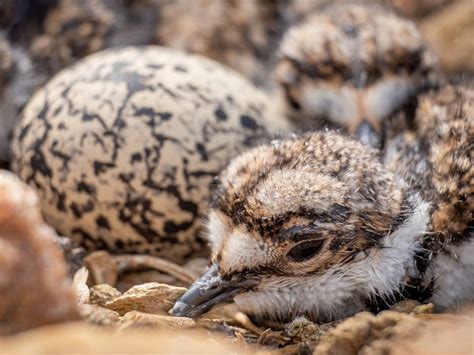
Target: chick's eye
[{"x": 305, "y": 250}]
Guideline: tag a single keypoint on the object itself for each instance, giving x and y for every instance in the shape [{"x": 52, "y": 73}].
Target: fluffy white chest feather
[{"x": 453, "y": 273}]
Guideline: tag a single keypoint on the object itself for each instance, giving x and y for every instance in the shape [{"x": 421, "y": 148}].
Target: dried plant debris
[
  {"x": 229, "y": 314},
  {"x": 34, "y": 288},
  {"x": 149, "y": 298},
  {"x": 134, "y": 262},
  {"x": 130, "y": 270}
]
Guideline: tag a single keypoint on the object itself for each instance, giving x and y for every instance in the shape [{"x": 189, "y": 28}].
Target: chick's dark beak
[
  {"x": 210, "y": 289},
  {"x": 369, "y": 135}
]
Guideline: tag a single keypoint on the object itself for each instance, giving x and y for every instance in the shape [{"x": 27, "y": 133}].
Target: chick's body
[
  {"x": 328, "y": 228},
  {"x": 353, "y": 64}
]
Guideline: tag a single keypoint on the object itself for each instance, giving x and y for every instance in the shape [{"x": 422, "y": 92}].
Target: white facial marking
[
  {"x": 216, "y": 231},
  {"x": 241, "y": 250},
  {"x": 388, "y": 95},
  {"x": 339, "y": 105}
]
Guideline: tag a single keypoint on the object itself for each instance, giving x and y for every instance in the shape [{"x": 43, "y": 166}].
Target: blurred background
[{"x": 40, "y": 37}]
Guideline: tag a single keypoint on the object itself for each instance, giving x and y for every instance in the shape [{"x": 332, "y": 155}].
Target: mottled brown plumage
[
  {"x": 353, "y": 64},
  {"x": 324, "y": 226},
  {"x": 437, "y": 160}
]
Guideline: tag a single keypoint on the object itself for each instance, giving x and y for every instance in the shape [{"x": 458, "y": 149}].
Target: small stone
[
  {"x": 139, "y": 319},
  {"x": 151, "y": 297},
  {"x": 366, "y": 333},
  {"x": 80, "y": 286},
  {"x": 98, "y": 315},
  {"x": 101, "y": 294}
]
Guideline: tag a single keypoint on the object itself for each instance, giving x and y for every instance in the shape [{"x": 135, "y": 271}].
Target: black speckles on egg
[
  {"x": 83, "y": 186},
  {"x": 123, "y": 146},
  {"x": 136, "y": 157},
  {"x": 126, "y": 177},
  {"x": 101, "y": 167},
  {"x": 102, "y": 222}
]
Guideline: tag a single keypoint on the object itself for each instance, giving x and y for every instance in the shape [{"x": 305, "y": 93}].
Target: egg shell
[{"x": 123, "y": 146}]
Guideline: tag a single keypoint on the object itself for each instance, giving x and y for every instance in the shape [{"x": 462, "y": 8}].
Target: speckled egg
[{"x": 123, "y": 146}]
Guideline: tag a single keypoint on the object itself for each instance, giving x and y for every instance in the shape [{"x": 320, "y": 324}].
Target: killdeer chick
[
  {"x": 355, "y": 67},
  {"x": 318, "y": 226}
]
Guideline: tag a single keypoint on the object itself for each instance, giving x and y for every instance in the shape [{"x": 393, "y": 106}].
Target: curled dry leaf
[
  {"x": 139, "y": 319},
  {"x": 151, "y": 297},
  {"x": 80, "y": 285},
  {"x": 135, "y": 262},
  {"x": 101, "y": 294}
]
